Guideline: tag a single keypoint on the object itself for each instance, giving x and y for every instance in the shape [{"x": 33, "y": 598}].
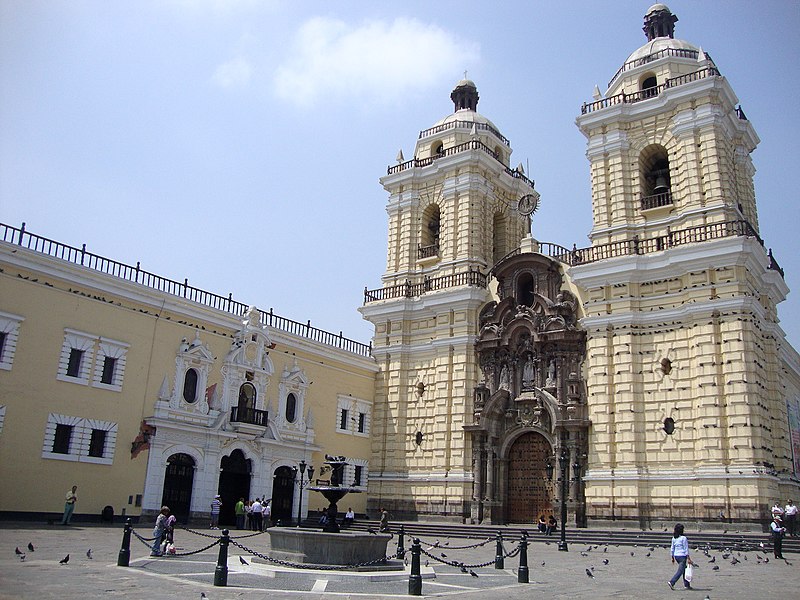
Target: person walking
[
  {"x": 69, "y": 505},
  {"x": 777, "y": 536},
  {"x": 216, "y": 505},
  {"x": 384, "y": 521},
  {"x": 159, "y": 530},
  {"x": 790, "y": 516},
  {"x": 239, "y": 510},
  {"x": 680, "y": 555}
]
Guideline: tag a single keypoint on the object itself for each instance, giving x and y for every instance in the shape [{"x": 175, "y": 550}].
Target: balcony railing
[
  {"x": 253, "y": 416},
  {"x": 428, "y": 284},
  {"x": 677, "y": 52},
  {"x": 427, "y": 251},
  {"x": 656, "y": 200},
  {"x": 452, "y": 150},
  {"x": 80, "y": 256},
  {"x": 637, "y": 245},
  {"x": 465, "y": 125},
  {"x": 648, "y": 93}
]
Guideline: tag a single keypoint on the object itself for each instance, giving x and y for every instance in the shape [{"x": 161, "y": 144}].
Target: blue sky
[{"x": 239, "y": 144}]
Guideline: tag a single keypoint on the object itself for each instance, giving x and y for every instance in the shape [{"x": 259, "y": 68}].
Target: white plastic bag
[{"x": 688, "y": 574}]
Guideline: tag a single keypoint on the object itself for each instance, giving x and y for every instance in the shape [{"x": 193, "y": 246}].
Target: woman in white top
[{"x": 680, "y": 555}]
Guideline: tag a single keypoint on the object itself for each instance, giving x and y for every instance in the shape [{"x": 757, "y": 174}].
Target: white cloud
[
  {"x": 234, "y": 73},
  {"x": 376, "y": 60}
]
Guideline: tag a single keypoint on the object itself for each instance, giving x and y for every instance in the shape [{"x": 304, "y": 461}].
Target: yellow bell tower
[
  {"x": 454, "y": 209},
  {"x": 688, "y": 415}
]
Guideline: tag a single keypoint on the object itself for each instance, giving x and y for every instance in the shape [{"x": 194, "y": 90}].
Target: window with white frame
[
  {"x": 9, "y": 333},
  {"x": 353, "y": 416},
  {"x": 79, "y": 439},
  {"x": 355, "y": 473},
  {"x": 2, "y": 417},
  {"x": 91, "y": 360},
  {"x": 109, "y": 365}
]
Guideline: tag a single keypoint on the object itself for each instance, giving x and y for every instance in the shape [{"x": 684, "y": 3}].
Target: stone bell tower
[
  {"x": 688, "y": 415},
  {"x": 455, "y": 208}
]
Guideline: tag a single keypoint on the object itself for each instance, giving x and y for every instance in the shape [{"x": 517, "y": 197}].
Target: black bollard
[
  {"x": 522, "y": 573},
  {"x": 401, "y": 550},
  {"x": 124, "y": 557},
  {"x": 499, "y": 560},
  {"x": 221, "y": 572},
  {"x": 415, "y": 579}
]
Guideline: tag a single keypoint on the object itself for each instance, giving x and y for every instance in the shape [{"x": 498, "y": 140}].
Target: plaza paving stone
[{"x": 563, "y": 574}]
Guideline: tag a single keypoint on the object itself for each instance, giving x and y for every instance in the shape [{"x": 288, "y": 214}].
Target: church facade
[{"x": 642, "y": 378}]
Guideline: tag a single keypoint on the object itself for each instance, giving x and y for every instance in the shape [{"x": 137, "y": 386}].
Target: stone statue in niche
[
  {"x": 551, "y": 374},
  {"x": 505, "y": 378},
  {"x": 529, "y": 372}
]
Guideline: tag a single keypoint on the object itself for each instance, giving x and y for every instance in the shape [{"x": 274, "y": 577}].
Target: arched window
[
  {"x": 291, "y": 408},
  {"x": 247, "y": 397},
  {"x": 655, "y": 183},
  {"x": 429, "y": 236},
  {"x": 525, "y": 289},
  {"x": 649, "y": 86},
  {"x": 190, "y": 386}
]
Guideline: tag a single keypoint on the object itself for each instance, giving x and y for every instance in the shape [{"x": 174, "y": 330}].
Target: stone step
[{"x": 429, "y": 532}]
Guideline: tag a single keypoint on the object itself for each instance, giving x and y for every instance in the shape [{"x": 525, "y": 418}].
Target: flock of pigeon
[{"x": 64, "y": 561}]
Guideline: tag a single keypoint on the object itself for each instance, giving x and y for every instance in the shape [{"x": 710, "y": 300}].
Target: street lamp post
[
  {"x": 563, "y": 462},
  {"x": 302, "y": 483}
]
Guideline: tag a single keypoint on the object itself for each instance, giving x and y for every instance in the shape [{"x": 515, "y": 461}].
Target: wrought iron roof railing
[
  {"x": 452, "y": 150},
  {"x": 643, "y": 60},
  {"x": 647, "y": 93},
  {"x": 80, "y": 256},
  {"x": 466, "y": 125}
]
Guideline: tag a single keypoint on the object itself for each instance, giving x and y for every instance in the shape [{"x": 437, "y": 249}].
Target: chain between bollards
[
  {"x": 221, "y": 572},
  {"x": 124, "y": 557},
  {"x": 499, "y": 560},
  {"x": 415, "y": 579},
  {"x": 401, "y": 550},
  {"x": 522, "y": 573}
]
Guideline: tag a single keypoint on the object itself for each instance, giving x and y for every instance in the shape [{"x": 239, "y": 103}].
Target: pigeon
[
  {"x": 632, "y": 553},
  {"x": 463, "y": 568},
  {"x": 473, "y": 573},
  {"x": 426, "y": 563},
  {"x": 589, "y": 573},
  {"x": 17, "y": 551},
  {"x": 22, "y": 557},
  {"x": 89, "y": 554},
  {"x": 766, "y": 560},
  {"x": 647, "y": 555},
  {"x": 542, "y": 563},
  {"x": 444, "y": 555},
  {"x": 584, "y": 554},
  {"x": 715, "y": 568},
  {"x": 605, "y": 561},
  {"x": 713, "y": 559},
  {"x": 735, "y": 561},
  {"x": 64, "y": 560},
  {"x": 30, "y": 547},
  {"x": 243, "y": 561},
  {"x": 372, "y": 531},
  {"x": 203, "y": 595},
  {"x": 435, "y": 544},
  {"x": 605, "y": 549}
]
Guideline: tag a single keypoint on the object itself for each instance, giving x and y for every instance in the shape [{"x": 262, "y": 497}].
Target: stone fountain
[{"x": 331, "y": 546}]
